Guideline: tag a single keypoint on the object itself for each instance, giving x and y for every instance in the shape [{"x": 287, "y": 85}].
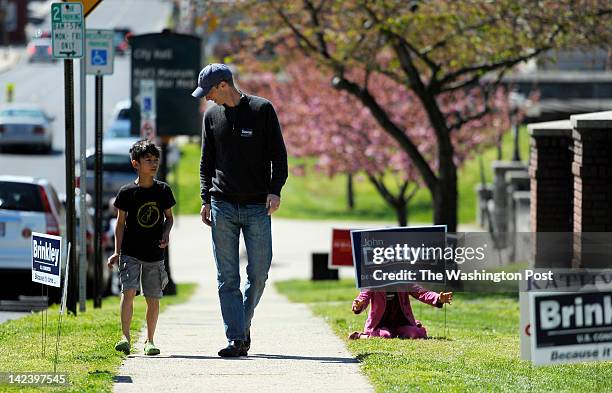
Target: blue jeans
[{"x": 227, "y": 221}]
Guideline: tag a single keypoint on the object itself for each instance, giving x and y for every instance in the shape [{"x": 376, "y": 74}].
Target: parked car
[
  {"x": 117, "y": 167},
  {"x": 25, "y": 125},
  {"x": 40, "y": 50},
  {"x": 121, "y": 40},
  {"x": 27, "y": 205},
  {"x": 122, "y": 110},
  {"x": 118, "y": 129},
  {"x": 106, "y": 281}
]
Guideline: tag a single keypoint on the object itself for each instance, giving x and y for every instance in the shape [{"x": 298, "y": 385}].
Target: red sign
[{"x": 342, "y": 253}]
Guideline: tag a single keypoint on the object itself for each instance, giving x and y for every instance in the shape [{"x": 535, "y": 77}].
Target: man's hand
[
  {"x": 163, "y": 243},
  {"x": 445, "y": 297},
  {"x": 205, "y": 213},
  {"x": 112, "y": 260},
  {"x": 272, "y": 203}
]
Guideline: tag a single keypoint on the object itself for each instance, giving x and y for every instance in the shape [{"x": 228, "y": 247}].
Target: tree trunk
[
  {"x": 401, "y": 212},
  {"x": 445, "y": 195},
  {"x": 350, "y": 196}
]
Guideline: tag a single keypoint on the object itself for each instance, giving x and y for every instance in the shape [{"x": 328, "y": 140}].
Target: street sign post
[
  {"x": 99, "y": 52},
  {"x": 147, "y": 109},
  {"x": 67, "y": 30}
]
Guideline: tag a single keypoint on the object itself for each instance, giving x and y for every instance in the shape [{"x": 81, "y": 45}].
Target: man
[{"x": 242, "y": 170}]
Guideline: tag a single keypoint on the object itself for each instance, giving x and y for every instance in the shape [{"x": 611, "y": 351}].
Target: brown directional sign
[{"x": 88, "y": 5}]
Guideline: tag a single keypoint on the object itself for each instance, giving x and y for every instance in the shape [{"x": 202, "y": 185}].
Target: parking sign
[
  {"x": 99, "y": 52},
  {"x": 67, "y": 30},
  {"x": 46, "y": 259}
]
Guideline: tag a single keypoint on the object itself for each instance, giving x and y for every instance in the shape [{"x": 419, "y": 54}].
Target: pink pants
[{"x": 405, "y": 331}]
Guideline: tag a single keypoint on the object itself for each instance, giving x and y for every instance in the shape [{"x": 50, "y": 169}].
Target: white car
[
  {"x": 25, "y": 125},
  {"x": 26, "y": 205}
]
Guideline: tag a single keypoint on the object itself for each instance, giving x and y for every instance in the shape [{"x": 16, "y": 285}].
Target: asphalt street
[{"x": 44, "y": 84}]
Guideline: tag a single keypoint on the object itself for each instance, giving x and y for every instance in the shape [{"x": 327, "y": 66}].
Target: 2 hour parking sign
[
  {"x": 67, "y": 30},
  {"x": 46, "y": 259}
]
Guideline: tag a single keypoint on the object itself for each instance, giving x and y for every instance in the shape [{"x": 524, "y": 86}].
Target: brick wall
[{"x": 552, "y": 183}]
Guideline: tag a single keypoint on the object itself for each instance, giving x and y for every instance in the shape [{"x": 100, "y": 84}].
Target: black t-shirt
[{"x": 144, "y": 223}]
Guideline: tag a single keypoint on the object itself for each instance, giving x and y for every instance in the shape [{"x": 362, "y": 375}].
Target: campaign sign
[
  {"x": 571, "y": 327},
  {"x": 341, "y": 253},
  {"x": 46, "y": 257},
  {"x": 394, "y": 258}
]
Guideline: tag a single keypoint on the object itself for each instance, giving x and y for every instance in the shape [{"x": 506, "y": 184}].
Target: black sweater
[{"x": 243, "y": 153}]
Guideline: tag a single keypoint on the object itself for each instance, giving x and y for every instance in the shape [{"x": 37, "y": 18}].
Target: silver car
[
  {"x": 25, "y": 125},
  {"x": 116, "y": 166}
]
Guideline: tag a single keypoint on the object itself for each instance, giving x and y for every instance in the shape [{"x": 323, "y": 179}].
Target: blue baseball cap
[{"x": 210, "y": 76}]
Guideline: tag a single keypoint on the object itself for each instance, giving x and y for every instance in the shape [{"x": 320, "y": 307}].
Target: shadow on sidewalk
[
  {"x": 122, "y": 379},
  {"x": 316, "y": 358}
]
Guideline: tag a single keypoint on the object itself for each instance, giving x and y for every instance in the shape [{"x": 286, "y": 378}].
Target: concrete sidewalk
[{"x": 292, "y": 351}]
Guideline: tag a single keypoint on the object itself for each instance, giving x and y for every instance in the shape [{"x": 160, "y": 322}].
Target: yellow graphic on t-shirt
[{"x": 148, "y": 215}]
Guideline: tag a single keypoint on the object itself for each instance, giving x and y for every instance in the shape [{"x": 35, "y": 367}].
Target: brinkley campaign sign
[
  {"x": 571, "y": 327},
  {"x": 46, "y": 257}
]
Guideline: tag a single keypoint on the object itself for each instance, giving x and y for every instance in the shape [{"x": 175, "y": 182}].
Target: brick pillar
[
  {"x": 550, "y": 170},
  {"x": 592, "y": 170}
]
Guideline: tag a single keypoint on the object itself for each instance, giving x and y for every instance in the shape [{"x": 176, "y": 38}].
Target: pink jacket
[{"x": 379, "y": 303}]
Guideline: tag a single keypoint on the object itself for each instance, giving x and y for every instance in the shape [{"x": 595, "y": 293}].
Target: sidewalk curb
[{"x": 13, "y": 59}]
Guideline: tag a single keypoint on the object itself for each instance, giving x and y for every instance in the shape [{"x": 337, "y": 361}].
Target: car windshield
[
  {"x": 20, "y": 196},
  {"x": 119, "y": 129},
  {"x": 112, "y": 163},
  {"x": 22, "y": 113}
]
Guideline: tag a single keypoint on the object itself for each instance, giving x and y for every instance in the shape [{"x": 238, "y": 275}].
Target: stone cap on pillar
[
  {"x": 595, "y": 120},
  {"x": 503, "y": 166},
  {"x": 560, "y": 128}
]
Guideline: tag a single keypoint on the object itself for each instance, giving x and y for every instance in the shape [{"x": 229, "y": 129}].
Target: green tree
[{"x": 434, "y": 48}]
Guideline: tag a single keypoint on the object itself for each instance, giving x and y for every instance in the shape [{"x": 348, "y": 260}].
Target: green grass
[
  {"x": 479, "y": 352},
  {"x": 87, "y": 341},
  {"x": 316, "y": 196}
]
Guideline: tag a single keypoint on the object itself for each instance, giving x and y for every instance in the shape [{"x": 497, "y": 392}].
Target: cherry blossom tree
[{"x": 334, "y": 126}]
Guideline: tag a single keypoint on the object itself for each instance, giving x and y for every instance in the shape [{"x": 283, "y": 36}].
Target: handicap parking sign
[
  {"x": 98, "y": 57},
  {"x": 99, "y": 53}
]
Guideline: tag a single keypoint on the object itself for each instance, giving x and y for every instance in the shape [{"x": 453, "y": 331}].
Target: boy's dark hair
[{"x": 142, "y": 148}]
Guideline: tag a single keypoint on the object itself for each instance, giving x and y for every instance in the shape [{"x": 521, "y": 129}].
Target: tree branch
[{"x": 429, "y": 177}]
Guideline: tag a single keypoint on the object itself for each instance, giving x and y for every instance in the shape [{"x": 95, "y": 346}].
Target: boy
[{"x": 144, "y": 220}]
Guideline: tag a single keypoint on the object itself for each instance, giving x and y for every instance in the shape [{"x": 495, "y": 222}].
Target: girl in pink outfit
[{"x": 391, "y": 315}]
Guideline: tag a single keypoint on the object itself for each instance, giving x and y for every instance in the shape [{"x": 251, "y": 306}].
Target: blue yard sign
[{"x": 46, "y": 259}]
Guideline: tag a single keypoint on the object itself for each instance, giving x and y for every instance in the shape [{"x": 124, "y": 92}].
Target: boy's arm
[
  {"x": 163, "y": 243},
  {"x": 119, "y": 228}
]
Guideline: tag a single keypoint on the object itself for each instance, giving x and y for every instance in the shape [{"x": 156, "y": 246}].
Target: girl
[{"x": 391, "y": 315}]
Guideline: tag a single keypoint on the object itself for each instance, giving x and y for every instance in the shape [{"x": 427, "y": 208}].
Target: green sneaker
[
  {"x": 123, "y": 345},
  {"x": 150, "y": 349}
]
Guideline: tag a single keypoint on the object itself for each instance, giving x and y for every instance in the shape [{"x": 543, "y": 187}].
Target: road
[{"x": 44, "y": 84}]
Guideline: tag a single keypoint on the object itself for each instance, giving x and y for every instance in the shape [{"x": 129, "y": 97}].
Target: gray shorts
[{"x": 134, "y": 274}]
